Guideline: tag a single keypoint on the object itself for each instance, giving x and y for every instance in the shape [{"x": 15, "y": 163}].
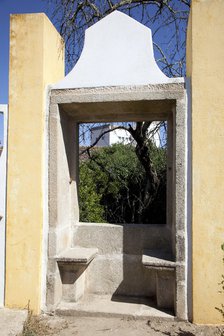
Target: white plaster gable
[{"x": 117, "y": 50}]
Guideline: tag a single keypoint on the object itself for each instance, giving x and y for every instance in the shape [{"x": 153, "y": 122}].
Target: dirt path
[{"x": 89, "y": 326}]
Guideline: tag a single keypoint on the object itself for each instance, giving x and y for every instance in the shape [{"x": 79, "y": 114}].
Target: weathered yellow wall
[
  {"x": 205, "y": 66},
  {"x": 35, "y": 61}
]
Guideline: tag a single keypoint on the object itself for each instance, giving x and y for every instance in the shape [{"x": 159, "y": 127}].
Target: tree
[
  {"x": 89, "y": 199},
  {"x": 166, "y": 18},
  {"x": 145, "y": 152},
  {"x": 119, "y": 182}
]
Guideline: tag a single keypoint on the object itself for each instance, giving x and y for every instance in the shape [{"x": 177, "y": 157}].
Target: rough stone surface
[
  {"x": 59, "y": 240},
  {"x": 126, "y": 238},
  {"x": 120, "y": 274},
  {"x": 157, "y": 259},
  {"x": 165, "y": 289},
  {"x": 119, "y": 103},
  {"x": 72, "y": 265},
  {"x": 105, "y": 306},
  {"x": 54, "y": 289},
  {"x": 77, "y": 255},
  {"x": 118, "y": 268},
  {"x": 11, "y": 321},
  {"x": 73, "y": 284}
]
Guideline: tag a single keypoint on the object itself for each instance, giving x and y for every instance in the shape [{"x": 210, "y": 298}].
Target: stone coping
[{"x": 131, "y": 225}]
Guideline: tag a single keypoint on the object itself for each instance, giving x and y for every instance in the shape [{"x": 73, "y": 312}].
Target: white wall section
[{"x": 3, "y": 164}]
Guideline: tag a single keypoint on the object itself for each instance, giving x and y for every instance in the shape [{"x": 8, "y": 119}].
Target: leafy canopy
[{"x": 112, "y": 185}]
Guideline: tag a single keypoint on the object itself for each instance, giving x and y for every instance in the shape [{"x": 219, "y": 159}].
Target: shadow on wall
[{"x": 139, "y": 283}]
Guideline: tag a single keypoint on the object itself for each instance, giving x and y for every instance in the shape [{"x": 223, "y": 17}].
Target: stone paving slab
[
  {"x": 104, "y": 306},
  {"x": 11, "y": 321}
]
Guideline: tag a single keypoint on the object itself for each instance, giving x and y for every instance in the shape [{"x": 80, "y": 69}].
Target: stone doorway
[
  {"x": 107, "y": 262},
  {"x": 157, "y": 252}
]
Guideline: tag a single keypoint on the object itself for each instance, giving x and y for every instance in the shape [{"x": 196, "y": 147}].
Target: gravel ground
[{"x": 96, "y": 326}]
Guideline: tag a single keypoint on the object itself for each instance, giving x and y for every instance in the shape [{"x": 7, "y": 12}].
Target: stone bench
[
  {"x": 165, "y": 267},
  {"x": 72, "y": 265}
]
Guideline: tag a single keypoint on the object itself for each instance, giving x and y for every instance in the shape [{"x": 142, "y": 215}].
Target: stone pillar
[
  {"x": 205, "y": 67},
  {"x": 36, "y": 59}
]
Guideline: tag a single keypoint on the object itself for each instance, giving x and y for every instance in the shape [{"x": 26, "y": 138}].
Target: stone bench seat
[
  {"x": 162, "y": 262},
  {"x": 72, "y": 266},
  {"x": 77, "y": 255},
  {"x": 158, "y": 259}
]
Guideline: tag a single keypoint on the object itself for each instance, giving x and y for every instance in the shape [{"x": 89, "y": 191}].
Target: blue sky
[{"x": 8, "y": 7}]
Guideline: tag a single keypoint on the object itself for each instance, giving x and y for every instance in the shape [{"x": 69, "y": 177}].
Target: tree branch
[{"x": 101, "y": 135}]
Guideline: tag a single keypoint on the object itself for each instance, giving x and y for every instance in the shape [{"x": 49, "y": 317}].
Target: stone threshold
[{"x": 121, "y": 307}]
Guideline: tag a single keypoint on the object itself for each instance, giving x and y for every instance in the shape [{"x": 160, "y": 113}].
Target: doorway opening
[
  {"x": 123, "y": 172},
  {"x": 120, "y": 261}
]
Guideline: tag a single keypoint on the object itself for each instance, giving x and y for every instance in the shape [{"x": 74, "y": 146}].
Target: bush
[{"x": 113, "y": 185}]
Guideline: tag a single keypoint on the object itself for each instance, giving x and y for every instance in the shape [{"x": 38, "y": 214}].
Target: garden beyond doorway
[{"x": 122, "y": 172}]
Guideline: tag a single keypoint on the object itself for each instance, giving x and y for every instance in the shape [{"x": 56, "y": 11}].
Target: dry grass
[{"x": 35, "y": 326}]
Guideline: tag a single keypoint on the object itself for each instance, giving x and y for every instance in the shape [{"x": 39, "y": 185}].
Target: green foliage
[
  {"x": 112, "y": 185},
  {"x": 158, "y": 158},
  {"x": 89, "y": 200}
]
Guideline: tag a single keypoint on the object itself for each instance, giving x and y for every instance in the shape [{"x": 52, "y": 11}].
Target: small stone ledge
[
  {"x": 77, "y": 255},
  {"x": 176, "y": 86},
  {"x": 158, "y": 259}
]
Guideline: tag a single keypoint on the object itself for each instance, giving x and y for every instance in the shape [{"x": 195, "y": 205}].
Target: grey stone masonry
[
  {"x": 158, "y": 259},
  {"x": 77, "y": 255},
  {"x": 72, "y": 265},
  {"x": 119, "y": 265}
]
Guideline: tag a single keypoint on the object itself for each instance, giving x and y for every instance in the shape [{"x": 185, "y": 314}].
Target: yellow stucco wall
[
  {"x": 35, "y": 61},
  {"x": 205, "y": 66}
]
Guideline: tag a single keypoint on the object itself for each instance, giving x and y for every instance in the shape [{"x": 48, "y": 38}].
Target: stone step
[{"x": 122, "y": 307}]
